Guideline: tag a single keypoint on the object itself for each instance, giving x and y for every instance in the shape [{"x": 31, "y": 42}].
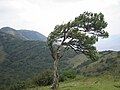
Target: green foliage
[
  {"x": 18, "y": 86},
  {"x": 69, "y": 74},
  {"x": 80, "y": 34},
  {"x": 44, "y": 78}
]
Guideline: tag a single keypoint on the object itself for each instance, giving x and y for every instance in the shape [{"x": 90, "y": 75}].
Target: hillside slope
[
  {"x": 20, "y": 59},
  {"x": 109, "y": 63}
]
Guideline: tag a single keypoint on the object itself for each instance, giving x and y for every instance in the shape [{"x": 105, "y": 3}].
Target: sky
[{"x": 44, "y": 15}]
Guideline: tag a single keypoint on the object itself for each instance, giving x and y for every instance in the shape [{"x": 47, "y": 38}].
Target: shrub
[
  {"x": 18, "y": 86},
  {"x": 44, "y": 79},
  {"x": 70, "y": 74}
]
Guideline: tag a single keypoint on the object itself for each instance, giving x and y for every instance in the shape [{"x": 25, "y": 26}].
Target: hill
[
  {"x": 24, "y": 34},
  {"x": 23, "y": 59},
  {"x": 108, "y": 63}
]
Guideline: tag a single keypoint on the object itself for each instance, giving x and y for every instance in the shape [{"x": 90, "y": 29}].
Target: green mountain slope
[
  {"x": 2, "y": 54},
  {"x": 108, "y": 63},
  {"x": 20, "y": 60}
]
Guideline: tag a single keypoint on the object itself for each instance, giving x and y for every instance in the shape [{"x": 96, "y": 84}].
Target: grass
[
  {"x": 77, "y": 60},
  {"x": 88, "y": 83}
]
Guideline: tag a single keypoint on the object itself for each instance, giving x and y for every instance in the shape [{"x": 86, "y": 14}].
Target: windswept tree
[{"x": 80, "y": 35}]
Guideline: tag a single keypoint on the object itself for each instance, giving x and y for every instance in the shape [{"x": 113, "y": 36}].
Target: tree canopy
[{"x": 80, "y": 34}]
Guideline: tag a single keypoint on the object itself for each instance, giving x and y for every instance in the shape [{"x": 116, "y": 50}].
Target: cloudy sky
[{"x": 43, "y": 15}]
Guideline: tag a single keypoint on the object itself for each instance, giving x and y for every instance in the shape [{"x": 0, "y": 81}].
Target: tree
[{"x": 80, "y": 35}]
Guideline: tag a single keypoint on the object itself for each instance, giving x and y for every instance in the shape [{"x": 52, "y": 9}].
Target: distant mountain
[{"x": 24, "y": 34}]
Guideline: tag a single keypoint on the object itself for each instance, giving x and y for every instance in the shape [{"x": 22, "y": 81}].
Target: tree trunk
[{"x": 55, "y": 84}]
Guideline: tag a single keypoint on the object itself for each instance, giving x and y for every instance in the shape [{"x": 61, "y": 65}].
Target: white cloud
[
  {"x": 66, "y": 1},
  {"x": 43, "y": 15}
]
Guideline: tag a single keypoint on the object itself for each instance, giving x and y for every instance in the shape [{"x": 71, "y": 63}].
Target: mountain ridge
[{"x": 24, "y": 34}]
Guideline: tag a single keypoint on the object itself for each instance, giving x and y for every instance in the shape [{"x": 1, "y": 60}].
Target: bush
[
  {"x": 44, "y": 79},
  {"x": 18, "y": 86},
  {"x": 70, "y": 74}
]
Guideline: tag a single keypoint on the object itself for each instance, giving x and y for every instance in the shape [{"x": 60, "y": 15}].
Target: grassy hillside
[
  {"x": 104, "y": 82},
  {"x": 77, "y": 60},
  {"x": 109, "y": 62}
]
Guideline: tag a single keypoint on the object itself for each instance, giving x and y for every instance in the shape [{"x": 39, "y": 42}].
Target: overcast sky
[{"x": 43, "y": 15}]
